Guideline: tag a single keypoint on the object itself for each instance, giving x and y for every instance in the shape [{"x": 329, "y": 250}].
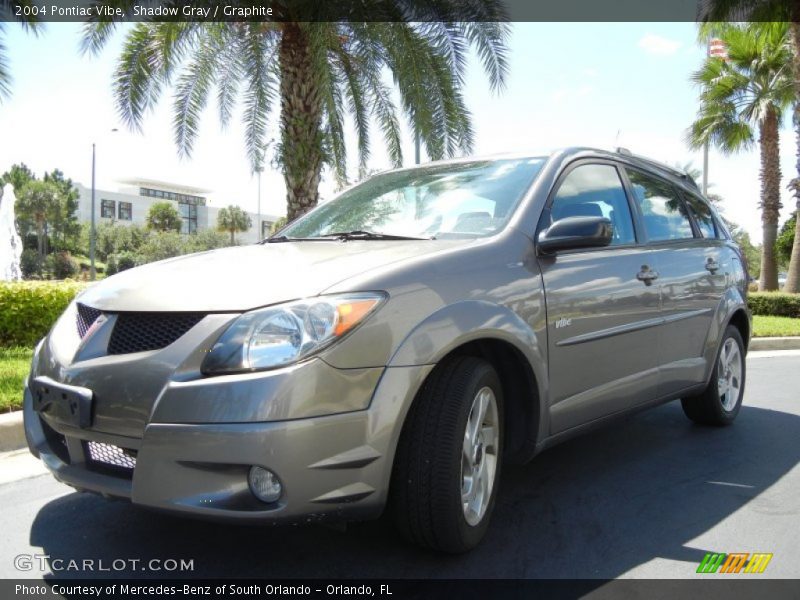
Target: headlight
[{"x": 284, "y": 334}]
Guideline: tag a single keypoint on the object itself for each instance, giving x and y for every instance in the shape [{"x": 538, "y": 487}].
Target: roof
[
  {"x": 620, "y": 154},
  {"x": 165, "y": 185}
]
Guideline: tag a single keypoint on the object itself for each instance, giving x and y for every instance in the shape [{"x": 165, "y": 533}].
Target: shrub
[
  {"x": 125, "y": 261},
  {"x": 774, "y": 304},
  {"x": 64, "y": 266},
  {"x": 29, "y": 263},
  {"x": 162, "y": 245},
  {"x": 28, "y": 309}
]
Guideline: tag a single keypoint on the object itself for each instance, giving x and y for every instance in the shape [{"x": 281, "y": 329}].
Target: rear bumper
[{"x": 335, "y": 466}]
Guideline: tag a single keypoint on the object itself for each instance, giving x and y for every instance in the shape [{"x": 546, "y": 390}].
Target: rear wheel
[
  {"x": 720, "y": 402},
  {"x": 449, "y": 457}
]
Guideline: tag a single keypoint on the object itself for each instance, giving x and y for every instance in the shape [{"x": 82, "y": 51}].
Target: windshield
[{"x": 473, "y": 199}]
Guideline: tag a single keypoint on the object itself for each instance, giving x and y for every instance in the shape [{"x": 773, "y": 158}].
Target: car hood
[{"x": 246, "y": 277}]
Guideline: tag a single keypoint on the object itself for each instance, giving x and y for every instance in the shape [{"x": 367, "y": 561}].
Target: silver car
[{"x": 394, "y": 347}]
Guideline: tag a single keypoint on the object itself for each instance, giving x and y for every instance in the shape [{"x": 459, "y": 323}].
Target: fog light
[{"x": 264, "y": 484}]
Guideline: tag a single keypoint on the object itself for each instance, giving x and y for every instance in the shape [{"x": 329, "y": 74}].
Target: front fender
[
  {"x": 462, "y": 322},
  {"x": 457, "y": 324}
]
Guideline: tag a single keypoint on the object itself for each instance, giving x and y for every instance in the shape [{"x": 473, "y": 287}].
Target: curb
[
  {"x": 12, "y": 432},
  {"x": 775, "y": 343}
]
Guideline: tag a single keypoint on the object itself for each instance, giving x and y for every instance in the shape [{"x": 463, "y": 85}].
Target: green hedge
[
  {"x": 28, "y": 309},
  {"x": 774, "y": 304}
]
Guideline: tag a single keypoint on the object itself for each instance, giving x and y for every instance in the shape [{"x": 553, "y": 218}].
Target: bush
[
  {"x": 774, "y": 304},
  {"x": 64, "y": 266},
  {"x": 29, "y": 263},
  {"x": 125, "y": 261},
  {"x": 28, "y": 309},
  {"x": 159, "y": 246}
]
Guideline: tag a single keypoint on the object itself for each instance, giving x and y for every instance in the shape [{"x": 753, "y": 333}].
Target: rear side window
[
  {"x": 702, "y": 216},
  {"x": 663, "y": 212},
  {"x": 595, "y": 191}
]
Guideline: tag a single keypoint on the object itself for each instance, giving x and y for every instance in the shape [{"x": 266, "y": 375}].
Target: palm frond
[
  {"x": 259, "y": 63},
  {"x": 193, "y": 85}
]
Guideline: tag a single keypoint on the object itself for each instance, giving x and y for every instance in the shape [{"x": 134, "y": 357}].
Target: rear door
[
  {"x": 602, "y": 308},
  {"x": 690, "y": 276}
]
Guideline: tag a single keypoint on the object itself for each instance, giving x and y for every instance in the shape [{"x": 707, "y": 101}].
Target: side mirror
[{"x": 576, "y": 232}]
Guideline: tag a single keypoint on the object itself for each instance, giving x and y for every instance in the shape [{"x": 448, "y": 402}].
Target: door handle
[
  {"x": 712, "y": 265},
  {"x": 647, "y": 275}
]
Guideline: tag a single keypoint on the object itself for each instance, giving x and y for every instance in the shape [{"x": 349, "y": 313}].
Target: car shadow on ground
[{"x": 595, "y": 507}]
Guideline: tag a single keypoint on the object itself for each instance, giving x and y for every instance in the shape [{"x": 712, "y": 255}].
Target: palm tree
[
  {"x": 749, "y": 91},
  {"x": 19, "y": 11},
  {"x": 772, "y": 10},
  {"x": 316, "y": 73},
  {"x": 233, "y": 219}
]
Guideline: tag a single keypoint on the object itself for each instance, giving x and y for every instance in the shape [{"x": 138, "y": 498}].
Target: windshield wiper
[
  {"x": 285, "y": 238},
  {"x": 369, "y": 235}
]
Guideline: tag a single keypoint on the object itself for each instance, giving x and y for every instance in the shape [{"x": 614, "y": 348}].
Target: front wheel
[
  {"x": 448, "y": 458},
  {"x": 720, "y": 402}
]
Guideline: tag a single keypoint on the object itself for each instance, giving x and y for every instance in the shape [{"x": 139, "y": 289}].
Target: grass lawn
[
  {"x": 775, "y": 326},
  {"x": 14, "y": 366}
]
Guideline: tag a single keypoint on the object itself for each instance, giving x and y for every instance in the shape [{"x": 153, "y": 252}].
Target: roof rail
[{"x": 661, "y": 166}]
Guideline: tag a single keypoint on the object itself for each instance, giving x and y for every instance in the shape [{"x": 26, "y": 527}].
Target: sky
[{"x": 587, "y": 84}]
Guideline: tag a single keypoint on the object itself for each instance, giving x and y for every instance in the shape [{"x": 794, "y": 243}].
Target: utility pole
[{"x": 92, "y": 231}]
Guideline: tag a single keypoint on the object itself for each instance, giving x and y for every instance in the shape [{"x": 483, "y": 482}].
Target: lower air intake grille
[
  {"x": 108, "y": 456},
  {"x": 86, "y": 318},
  {"x": 137, "y": 332}
]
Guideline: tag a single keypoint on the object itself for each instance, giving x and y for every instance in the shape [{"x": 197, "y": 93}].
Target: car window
[
  {"x": 469, "y": 199},
  {"x": 595, "y": 191},
  {"x": 663, "y": 212},
  {"x": 702, "y": 216}
]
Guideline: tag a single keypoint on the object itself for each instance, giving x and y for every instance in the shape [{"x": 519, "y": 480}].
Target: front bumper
[{"x": 331, "y": 466}]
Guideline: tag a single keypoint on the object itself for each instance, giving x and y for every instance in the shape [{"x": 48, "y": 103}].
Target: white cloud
[{"x": 658, "y": 45}]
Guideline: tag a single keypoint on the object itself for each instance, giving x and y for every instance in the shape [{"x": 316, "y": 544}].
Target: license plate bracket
[{"x": 68, "y": 404}]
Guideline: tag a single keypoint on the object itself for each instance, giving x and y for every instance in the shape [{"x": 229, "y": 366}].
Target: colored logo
[{"x": 736, "y": 562}]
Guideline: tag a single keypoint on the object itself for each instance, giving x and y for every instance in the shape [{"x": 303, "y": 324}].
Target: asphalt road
[{"x": 647, "y": 496}]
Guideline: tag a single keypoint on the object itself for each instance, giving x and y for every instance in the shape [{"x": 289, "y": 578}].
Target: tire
[
  {"x": 720, "y": 402},
  {"x": 426, "y": 489}
]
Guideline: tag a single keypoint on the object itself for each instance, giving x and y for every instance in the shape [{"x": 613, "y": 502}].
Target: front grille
[
  {"x": 137, "y": 332},
  {"x": 107, "y": 457},
  {"x": 86, "y": 318}
]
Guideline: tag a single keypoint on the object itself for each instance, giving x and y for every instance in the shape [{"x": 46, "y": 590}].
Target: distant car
[
  {"x": 782, "y": 279},
  {"x": 396, "y": 345}
]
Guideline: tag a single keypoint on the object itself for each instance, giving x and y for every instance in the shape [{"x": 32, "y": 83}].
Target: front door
[{"x": 602, "y": 306}]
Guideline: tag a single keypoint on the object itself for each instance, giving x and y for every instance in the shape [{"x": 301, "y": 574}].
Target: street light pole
[
  {"x": 260, "y": 232},
  {"x": 92, "y": 232}
]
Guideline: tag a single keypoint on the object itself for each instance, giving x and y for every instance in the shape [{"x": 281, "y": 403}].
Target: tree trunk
[
  {"x": 793, "y": 279},
  {"x": 770, "y": 199},
  {"x": 233, "y": 241},
  {"x": 301, "y": 121},
  {"x": 40, "y": 242}
]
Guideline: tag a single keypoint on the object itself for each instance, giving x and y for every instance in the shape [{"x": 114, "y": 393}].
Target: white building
[{"x": 132, "y": 202}]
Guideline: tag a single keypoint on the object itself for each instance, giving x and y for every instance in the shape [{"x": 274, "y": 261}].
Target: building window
[
  {"x": 125, "y": 210},
  {"x": 107, "y": 208},
  {"x": 189, "y": 216},
  {"x": 180, "y": 198}
]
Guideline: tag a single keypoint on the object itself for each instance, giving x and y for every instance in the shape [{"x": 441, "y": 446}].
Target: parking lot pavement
[{"x": 647, "y": 496}]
